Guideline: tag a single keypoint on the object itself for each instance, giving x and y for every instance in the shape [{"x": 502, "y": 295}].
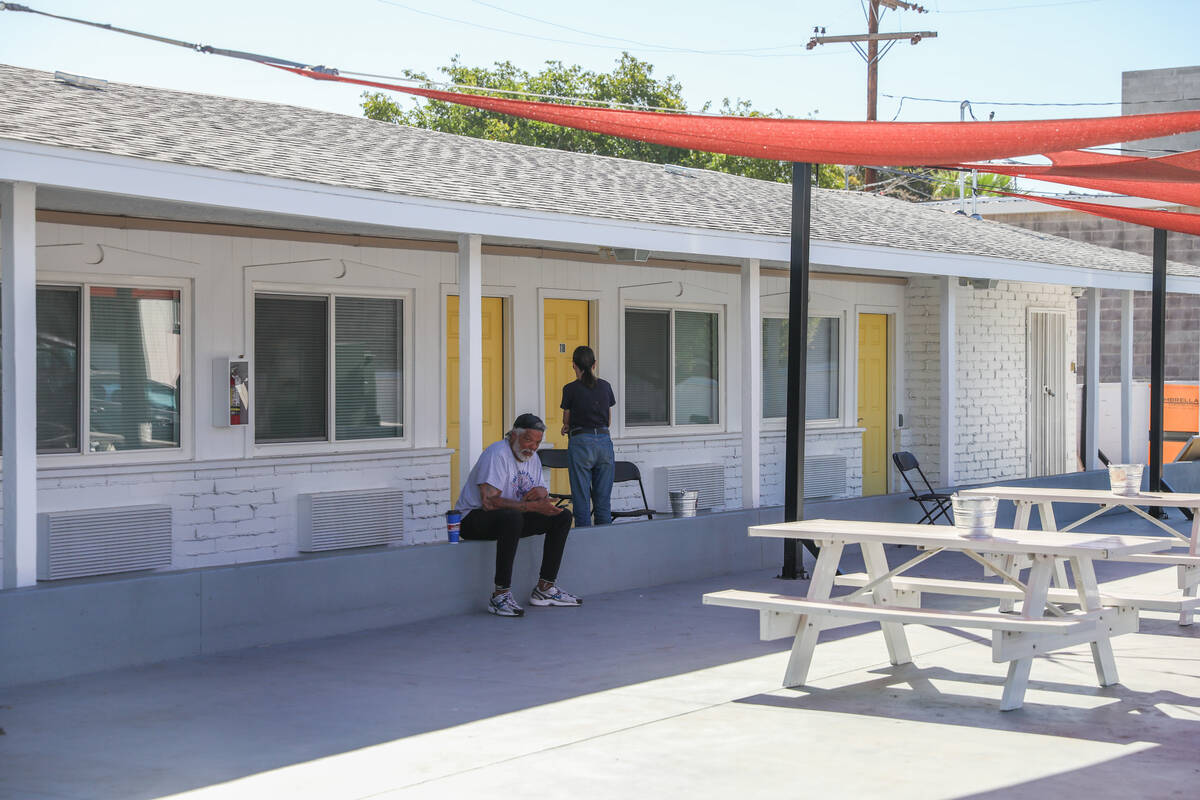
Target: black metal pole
[
  {"x": 1158, "y": 335},
  {"x": 797, "y": 380}
]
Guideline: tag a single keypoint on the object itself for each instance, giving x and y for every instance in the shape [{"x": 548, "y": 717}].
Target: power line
[
  {"x": 903, "y": 97},
  {"x": 872, "y": 54},
  {"x": 1018, "y": 8},
  {"x": 651, "y": 48},
  {"x": 263, "y": 59}
]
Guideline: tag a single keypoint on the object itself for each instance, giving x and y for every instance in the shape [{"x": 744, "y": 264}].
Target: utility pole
[{"x": 872, "y": 54}]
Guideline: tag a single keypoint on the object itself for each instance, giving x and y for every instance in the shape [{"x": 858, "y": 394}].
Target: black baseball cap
[{"x": 529, "y": 422}]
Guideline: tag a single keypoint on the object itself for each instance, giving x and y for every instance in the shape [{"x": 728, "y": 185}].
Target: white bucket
[
  {"x": 1125, "y": 479},
  {"x": 683, "y": 503},
  {"x": 974, "y": 515}
]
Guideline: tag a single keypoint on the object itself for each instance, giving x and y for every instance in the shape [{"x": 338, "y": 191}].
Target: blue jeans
[{"x": 590, "y": 464}]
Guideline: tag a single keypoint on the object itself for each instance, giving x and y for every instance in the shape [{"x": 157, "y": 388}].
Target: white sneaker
[
  {"x": 503, "y": 605},
  {"x": 553, "y": 596}
]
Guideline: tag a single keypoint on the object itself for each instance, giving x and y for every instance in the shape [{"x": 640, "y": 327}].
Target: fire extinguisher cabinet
[{"x": 231, "y": 392}]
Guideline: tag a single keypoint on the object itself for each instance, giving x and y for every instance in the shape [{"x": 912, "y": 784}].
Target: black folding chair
[
  {"x": 938, "y": 502},
  {"x": 628, "y": 471},
  {"x": 555, "y": 459},
  {"x": 623, "y": 471}
]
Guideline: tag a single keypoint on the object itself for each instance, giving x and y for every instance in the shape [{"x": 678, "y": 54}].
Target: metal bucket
[
  {"x": 1125, "y": 479},
  {"x": 683, "y": 503},
  {"x": 974, "y": 515}
]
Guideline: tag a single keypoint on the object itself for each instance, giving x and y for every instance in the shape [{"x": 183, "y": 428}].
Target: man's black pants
[{"x": 506, "y": 527}]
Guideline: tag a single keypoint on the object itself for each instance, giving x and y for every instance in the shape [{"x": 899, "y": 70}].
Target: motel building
[{"x": 241, "y": 330}]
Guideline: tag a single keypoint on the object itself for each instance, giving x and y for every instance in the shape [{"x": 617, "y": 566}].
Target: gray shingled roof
[{"x": 301, "y": 144}]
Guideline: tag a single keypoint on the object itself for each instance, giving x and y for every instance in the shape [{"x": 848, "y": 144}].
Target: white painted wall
[
  {"x": 235, "y": 501},
  {"x": 991, "y": 406}
]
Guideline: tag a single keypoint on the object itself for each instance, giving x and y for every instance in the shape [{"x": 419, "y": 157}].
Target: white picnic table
[
  {"x": 881, "y": 593},
  {"x": 1025, "y": 498}
]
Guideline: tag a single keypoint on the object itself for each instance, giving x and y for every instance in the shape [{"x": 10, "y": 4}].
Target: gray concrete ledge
[{"x": 58, "y": 630}]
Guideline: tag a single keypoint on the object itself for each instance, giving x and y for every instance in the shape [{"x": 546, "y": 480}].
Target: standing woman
[{"x": 587, "y": 405}]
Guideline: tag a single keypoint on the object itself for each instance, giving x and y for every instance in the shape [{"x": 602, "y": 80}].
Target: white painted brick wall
[
  {"x": 991, "y": 405},
  {"x": 649, "y": 454},
  {"x": 236, "y": 512},
  {"x": 727, "y": 450},
  {"x": 772, "y": 451}
]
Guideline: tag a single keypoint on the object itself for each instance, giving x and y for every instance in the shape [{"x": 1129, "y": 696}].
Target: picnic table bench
[
  {"x": 882, "y": 598},
  {"x": 1026, "y": 498}
]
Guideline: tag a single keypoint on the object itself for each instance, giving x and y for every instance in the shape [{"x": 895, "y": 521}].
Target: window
[
  {"x": 134, "y": 369},
  {"x": 294, "y": 336},
  {"x": 134, "y": 341},
  {"x": 822, "y": 400},
  {"x": 671, "y": 367}
]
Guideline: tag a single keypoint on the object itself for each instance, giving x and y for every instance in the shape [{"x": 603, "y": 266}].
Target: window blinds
[
  {"x": 696, "y": 368},
  {"x": 367, "y": 368},
  {"x": 291, "y": 341},
  {"x": 647, "y": 367},
  {"x": 57, "y": 369},
  {"x": 822, "y": 397},
  {"x": 134, "y": 369}
]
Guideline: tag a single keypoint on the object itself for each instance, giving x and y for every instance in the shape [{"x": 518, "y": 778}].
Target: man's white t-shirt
[{"x": 498, "y": 467}]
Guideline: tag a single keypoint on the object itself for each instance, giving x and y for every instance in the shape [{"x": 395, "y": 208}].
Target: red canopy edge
[
  {"x": 1175, "y": 168},
  {"x": 821, "y": 141},
  {"x": 1186, "y": 194},
  {"x": 1166, "y": 220}
]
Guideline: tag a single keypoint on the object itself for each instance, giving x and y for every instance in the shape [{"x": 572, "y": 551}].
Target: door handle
[{"x": 1048, "y": 390}]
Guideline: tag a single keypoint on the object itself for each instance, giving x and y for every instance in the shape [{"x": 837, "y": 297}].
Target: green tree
[{"x": 630, "y": 82}]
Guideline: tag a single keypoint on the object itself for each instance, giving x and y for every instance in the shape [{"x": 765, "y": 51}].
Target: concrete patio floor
[{"x": 643, "y": 693}]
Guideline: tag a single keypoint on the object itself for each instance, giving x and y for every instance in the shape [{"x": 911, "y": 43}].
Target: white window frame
[
  {"x": 780, "y": 423},
  {"x": 187, "y": 415},
  {"x": 673, "y": 429},
  {"x": 332, "y": 444}
]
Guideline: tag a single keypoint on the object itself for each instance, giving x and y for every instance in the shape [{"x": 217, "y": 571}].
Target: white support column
[
  {"x": 470, "y": 352},
  {"x": 1091, "y": 459},
  {"x": 19, "y": 284},
  {"x": 948, "y": 331},
  {"x": 1127, "y": 376},
  {"x": 751, "y": 381}
]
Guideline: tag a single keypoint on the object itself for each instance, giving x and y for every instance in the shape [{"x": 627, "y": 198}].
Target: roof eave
[{"x": 74, "y": 169}]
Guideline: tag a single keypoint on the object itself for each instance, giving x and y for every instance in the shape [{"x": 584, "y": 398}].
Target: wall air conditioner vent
[
  {"x": 706, "y": 479},
  {"x": 102, "y": 541},
  {"x": 357, "y": 518},
  {"x": 824, "y": 476}
]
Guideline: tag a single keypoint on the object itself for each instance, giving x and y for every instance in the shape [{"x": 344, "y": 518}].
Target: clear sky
[{"x": 1027, "y": 51}]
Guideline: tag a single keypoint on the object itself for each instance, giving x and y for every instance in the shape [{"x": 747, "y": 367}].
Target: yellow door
[
  {"x": 873, "y": 400},
  {"x": 564, "y": 327},
  {"x": 493, "y": 379}
]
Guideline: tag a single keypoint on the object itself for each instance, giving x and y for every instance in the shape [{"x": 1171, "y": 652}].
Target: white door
[{"x": 1046, "y": 393}]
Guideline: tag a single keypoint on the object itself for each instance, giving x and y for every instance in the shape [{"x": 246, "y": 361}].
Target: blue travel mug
[{"x": 453, "y": 520}]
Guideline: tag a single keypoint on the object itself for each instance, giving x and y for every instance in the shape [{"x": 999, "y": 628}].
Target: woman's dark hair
[{"x": 585, "y": 359}]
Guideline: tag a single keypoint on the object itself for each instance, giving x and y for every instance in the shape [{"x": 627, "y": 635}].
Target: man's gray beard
[{"x": 518, "y": 454}]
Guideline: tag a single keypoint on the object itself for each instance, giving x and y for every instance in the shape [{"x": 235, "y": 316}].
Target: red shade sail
[
  {"x": 1165, "y": 220},
  {"x": 1186, "y": 194},
  {"x": 1175, "y": 168},
  {"x": 821, "y": 141}
]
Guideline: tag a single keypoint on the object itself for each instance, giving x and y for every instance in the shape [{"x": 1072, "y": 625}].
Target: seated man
[{"x": 506, "y": 498}]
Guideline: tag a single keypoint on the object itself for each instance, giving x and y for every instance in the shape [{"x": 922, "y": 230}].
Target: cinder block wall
[
  {"x": 1142, "y": 91},
  {"x": 1183, "y": 310},
  {"x": 1147, "y": 91}
]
